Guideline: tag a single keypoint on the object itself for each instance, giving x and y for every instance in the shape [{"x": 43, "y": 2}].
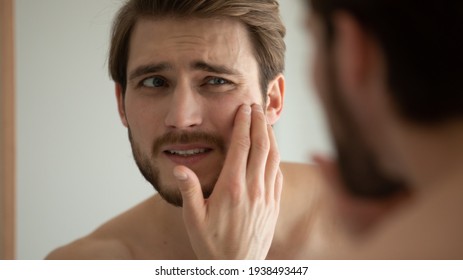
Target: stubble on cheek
[{"x": 158, "y": 176}]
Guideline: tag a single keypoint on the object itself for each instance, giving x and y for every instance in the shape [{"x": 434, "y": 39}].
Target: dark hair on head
[
  {"x": 260, "y": 17},
  {"x": 422, "y": 42}
]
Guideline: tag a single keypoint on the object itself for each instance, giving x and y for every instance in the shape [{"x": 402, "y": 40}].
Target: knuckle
[
  {"x": 274, "y": 159},
  {"x": 234, "y": 190},
  {"x": 261, "y": 144},
  {"x": 274, "y": 155},
  {"x": 259, "y": 114},
  {"x": 235, "y": 196},
  {"x": 244, "y": 143},
  {"x": 256, "y": 192}
]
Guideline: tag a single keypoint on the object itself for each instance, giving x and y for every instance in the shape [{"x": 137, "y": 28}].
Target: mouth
[{"x": 187, "y": 154}]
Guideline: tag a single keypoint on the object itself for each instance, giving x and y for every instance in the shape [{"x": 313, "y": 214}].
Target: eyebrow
[
  {"x": 217, "y": 69},
  {"x": 147, "y": 69},
  {"x": 197, "y": 65}
]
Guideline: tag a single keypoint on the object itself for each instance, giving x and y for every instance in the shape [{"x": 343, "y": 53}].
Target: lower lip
[{"x": 187, "y": 160}]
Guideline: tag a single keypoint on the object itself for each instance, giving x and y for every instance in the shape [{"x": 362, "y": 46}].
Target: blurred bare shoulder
[
  {"x": 428, "y": 227},
  {"x": 91, "y": 248}
]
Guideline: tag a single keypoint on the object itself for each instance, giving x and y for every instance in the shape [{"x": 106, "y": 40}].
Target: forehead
[{"x": 179, "y": 41}]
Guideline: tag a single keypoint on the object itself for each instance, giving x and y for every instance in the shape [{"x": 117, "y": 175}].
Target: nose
[{"x": 184, "y": 109}]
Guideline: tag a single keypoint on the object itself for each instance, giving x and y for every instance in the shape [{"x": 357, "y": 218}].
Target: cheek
[
  {"x": 222, "y": 114},
  {"x": 222, "y": 118},
  {"x": 143, "y": 121}
]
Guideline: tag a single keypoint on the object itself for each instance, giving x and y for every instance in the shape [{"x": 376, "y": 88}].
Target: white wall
[
  {"x": 75, "y": 168},
  {"x": 301, "y": 129}
]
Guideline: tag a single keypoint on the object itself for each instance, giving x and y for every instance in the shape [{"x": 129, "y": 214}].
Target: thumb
[{"x": 192, "y": 194}]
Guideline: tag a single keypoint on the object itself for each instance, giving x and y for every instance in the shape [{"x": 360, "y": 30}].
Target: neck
[
  {"x": 171, "y": 217},
  {"x": 432, "y": 156}
]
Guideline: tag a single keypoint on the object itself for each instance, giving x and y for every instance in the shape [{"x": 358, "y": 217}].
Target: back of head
[
  {"x": 423, "y": 47},
  {"x": 260, "y": 17}
]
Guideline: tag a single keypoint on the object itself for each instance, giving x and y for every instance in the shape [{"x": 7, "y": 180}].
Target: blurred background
[{"x": 74, "y": 164}]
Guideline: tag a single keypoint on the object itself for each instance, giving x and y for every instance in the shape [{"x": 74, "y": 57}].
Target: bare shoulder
[
  {"x": 122, "y": 237},
  {"x": 428, "y": 228},
  {"x": 296, "y": 170},
  {"x": 91, "y": 248},
  {"x": 301, "y": 228},
  {"x": 301, "y": 177}
]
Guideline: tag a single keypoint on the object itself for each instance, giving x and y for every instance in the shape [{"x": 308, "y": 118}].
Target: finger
[
  {"x": 279, "y": 180},
  {"x": 260, "y": 145},
  {"x": 237, "y": 156},
  {"x": 272, "y": 166},
  {"x": 194, "y": 207}
]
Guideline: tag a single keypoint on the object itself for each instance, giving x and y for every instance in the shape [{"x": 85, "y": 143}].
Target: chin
[{"x": 171, "y": 194}]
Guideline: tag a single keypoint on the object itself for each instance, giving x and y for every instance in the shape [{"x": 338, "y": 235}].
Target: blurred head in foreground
[{"x": 390, "y": 76}]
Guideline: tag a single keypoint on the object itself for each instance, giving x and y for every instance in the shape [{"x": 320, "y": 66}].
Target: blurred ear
[
  {"x": 361, "y": 72},
  {"x": 120, "y": 104},
  {"x": 275, "y": 98},
  {"x": 358, "y": 64}
]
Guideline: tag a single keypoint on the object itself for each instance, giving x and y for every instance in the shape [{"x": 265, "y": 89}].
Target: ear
[
  {"x": 354, "y": 54},
  {"x": 275, "y": 98},
  {"x": 361, "y": 74},
  {"x": 120, "y": 103}
]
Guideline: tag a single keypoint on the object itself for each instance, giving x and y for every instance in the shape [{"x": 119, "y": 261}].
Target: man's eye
[
  {"x": 217, "y": 81},
  {"x": 154, "y": 82}
]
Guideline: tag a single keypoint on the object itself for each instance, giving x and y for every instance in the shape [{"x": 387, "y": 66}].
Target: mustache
[{"x": 173, "y": 137}]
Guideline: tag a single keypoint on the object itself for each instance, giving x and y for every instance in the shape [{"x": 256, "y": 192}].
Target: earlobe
[
  {"x": 275, "y": 98},
  {"x": 120, "y": 103}
]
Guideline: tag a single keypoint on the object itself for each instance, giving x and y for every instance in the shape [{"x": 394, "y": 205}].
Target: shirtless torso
[{"x": 154, "y": 229}]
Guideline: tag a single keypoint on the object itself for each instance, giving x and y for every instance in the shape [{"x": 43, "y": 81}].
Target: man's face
[
  {"x": 186, "y": 79},
  {"x": 359, "y": 165}
]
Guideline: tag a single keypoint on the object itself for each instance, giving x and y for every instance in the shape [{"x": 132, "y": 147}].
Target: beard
[
  {"x": 359, "y": 168},
  {"x": 149, "y": 166}
]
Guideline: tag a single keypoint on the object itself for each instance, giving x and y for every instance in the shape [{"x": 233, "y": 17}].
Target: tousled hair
[{"x": 260, "y": 17}]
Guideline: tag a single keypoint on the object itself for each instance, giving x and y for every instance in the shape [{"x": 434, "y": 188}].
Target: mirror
[{"x": 74, "y": 165}]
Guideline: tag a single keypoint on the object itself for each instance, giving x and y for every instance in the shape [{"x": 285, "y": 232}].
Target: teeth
[{"x": 186, "y": 152}]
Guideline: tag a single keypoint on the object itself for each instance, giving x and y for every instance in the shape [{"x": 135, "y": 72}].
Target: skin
[
  {"x": 252, "y": 212},
  {"x": 426, "y": 223},
  {"x": 191, "y": 100}
]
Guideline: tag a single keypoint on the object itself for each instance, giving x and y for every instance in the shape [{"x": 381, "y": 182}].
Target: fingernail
[
  {"x": 246, "y": 109},
  {"x": 182, "y": 176},
  {"x": 258, "y": 108}
]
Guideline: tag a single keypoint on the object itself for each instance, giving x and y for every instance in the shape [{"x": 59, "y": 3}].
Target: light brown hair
[{"x": 260, "y": 17}]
